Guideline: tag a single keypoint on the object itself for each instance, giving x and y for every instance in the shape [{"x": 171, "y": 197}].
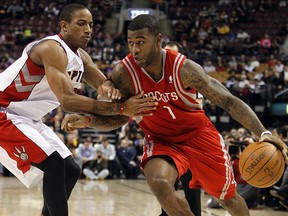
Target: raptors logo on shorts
[{"x": 21, "y": 154}]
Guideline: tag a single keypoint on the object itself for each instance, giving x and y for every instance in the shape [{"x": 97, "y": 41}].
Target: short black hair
[
  {"x": 67, "y": 12},
  {"x": 177, "y": 44},
  {"x": 145, "y": 21}
]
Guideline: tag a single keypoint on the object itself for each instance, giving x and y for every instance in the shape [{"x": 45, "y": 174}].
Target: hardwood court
[{"x": 97, "y": 198}]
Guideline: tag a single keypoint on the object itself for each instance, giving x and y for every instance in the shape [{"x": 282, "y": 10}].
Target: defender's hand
[
  {"x": 139, "y": 106},
  {"x": 74, "y": 121},
  {"x": 107, "y": 91},
  {"x": 277, "y": 142}
]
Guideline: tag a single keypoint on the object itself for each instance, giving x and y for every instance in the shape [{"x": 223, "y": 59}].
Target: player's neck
[{"x": 155, "y": 68}]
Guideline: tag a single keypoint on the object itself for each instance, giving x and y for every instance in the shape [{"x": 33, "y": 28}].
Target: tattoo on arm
[
  {"x": 122, "y": 82},
  {"x": 105, "y": 108},
  {"x": 193, "y": 76},
  {"x": 107, "y": 123}
]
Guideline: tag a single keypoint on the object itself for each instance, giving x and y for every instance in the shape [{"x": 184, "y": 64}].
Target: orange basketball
[{"x": 261, "y": 164}]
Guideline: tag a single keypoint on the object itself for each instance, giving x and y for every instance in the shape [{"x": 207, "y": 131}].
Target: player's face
[
  {"x": 143, "y": 46},
  {"x": 78, "y": 31}
]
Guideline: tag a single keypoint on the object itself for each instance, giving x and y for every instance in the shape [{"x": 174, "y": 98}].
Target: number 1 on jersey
[{"x": 170, "y": 111}]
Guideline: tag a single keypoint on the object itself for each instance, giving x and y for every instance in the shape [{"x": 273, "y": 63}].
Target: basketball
[{"x": 261, "y": 164}]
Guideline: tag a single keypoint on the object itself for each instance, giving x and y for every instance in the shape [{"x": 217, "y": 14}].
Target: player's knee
[
  {"x": 159, "y": 184},
  {"x": 72, "y": 169},
  {"x": 54, "y": 163},
  {"x": 229, "y": 202},
  {"x": 232, "y": 202}
]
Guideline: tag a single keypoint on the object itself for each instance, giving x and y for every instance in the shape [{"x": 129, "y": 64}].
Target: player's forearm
[
  {"x": 107, "y": 123},
  {"x": 83, "y": 105},
  {"x": 243, "y": 114}
]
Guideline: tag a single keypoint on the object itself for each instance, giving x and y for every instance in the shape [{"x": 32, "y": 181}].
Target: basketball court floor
[{"x": 98, "y": 198}]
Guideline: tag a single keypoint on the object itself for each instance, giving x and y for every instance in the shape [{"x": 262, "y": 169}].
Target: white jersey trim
[
  {"x": 132, "y": 72},
  {"x": 180, "y": 91}
]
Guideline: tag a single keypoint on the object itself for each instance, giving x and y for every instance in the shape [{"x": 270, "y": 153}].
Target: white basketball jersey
[{"x": 24, "y": 89}]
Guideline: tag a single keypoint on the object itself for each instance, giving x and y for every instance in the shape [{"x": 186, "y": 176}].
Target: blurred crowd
[{"x": 253, "y": 65}]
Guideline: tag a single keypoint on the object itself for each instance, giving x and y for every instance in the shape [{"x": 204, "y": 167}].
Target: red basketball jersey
[{"x": 178, "y": 116}]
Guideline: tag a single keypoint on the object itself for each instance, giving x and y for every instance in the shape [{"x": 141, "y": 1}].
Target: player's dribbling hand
[
  {"x": 276, "y": 142},
  {"x": 74, "y": 121},
  {"x": 139, "y": 105},
  {"x": 107, "y": 91}
]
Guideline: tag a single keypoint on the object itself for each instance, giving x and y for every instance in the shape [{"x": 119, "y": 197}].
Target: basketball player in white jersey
[
  {"x": 179, "y": 136},
  {"x": 47, "y": 75}
]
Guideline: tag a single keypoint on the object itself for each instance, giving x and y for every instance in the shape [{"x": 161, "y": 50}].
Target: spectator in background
[
  {"x": 127, "y": 155},
  {"x": 266, "y": 41},
  {"x": 209, "y": 67},
  {"x": 255, "y": 62},
  {"x": 16, "y": 10},
  {"x": 242, "y": 35},
  {"x": 232, "y": 64},
  {"x": 97, "y": 169},
  {"x": 139, "y": 144},
  {"x": 232, "y": 81},
  {"x": 108, "y": 155},
  {"x": 106, "y": 148},
  {"x": 202, "y": 34},
  {"x": 223, "y": 28},
  {"x": 272, "y": 61},
  {"x": 86, "y": 153},
  {"x": 279, "y": 67},
  {"x": 244, "y": 86},
  {"x": 249, "y": 67}
]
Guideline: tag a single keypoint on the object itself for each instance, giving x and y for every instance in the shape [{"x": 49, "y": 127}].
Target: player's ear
[
  {"x": 63, "y": 25},
  {"x": 159, "y": 38}
]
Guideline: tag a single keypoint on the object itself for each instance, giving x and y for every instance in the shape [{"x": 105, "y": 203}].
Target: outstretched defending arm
[{"x": 133, "y": 106}]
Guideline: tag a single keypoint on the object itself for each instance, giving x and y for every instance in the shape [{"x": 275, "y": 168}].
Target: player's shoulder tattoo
[
  {"x": 192, "y": 75},
  {"x": 122, "y": 81}
]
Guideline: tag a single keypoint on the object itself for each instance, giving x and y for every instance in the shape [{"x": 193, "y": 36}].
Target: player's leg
[
  {"x": 54, "y": 192},
  {"x": 71, "y": 169},
  {"x": 72, "y": 174},
  {"x": 161, "y": 175},
  {"x": 163, "y": 213},
  {"x": 193, "y": 196},
  {"x": 235, "y": 205},
  {"x": 30, "y": 147}
]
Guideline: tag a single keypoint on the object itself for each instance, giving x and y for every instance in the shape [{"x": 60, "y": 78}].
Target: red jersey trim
[{"x": 60, "y": 36}]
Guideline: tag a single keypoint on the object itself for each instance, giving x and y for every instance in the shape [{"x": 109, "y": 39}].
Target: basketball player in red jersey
[
  {"x": 179, "y": 136},
  {"x": 193, "y": 196},
  {"x": 47, "y": 75}
]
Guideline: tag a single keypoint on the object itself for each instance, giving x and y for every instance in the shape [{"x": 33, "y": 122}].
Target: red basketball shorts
[{"x": 205, "y": 155}]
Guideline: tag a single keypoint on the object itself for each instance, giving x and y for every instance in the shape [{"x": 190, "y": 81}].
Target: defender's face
[
  {"x": 143, "y": 46},
  {"x": 78, "y": 31}
]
